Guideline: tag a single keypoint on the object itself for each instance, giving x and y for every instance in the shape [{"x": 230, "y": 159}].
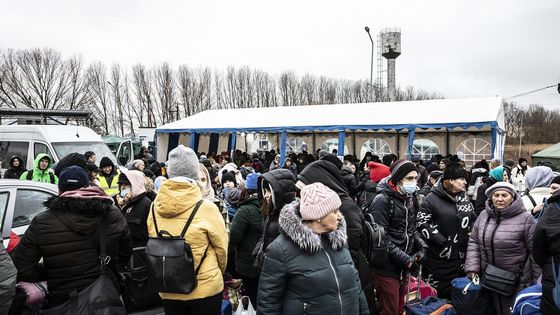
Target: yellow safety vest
[{"x": 109, "y": 190}]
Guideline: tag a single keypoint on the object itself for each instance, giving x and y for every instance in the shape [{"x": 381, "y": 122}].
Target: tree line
[
  {"x": 123, "y": 99},
  {"x": 534, "y": 124}
]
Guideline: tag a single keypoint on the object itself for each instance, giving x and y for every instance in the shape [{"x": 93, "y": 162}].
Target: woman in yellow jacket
[{"x": 173, "y": 205}]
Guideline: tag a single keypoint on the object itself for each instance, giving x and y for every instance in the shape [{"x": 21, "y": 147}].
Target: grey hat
[
  {"x": 183, "y": 162},
  {"x": 501, "y": 186}
]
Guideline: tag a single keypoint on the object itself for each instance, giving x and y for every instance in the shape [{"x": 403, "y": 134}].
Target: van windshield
[{"x": 100, "y": 149}]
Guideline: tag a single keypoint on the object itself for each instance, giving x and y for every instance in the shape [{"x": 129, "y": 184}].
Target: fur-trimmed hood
[
  {"x": 291, "y": 224},
  {"x": 79, "y": 214}
]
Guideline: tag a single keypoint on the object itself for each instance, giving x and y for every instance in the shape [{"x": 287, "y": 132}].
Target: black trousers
[
  {"x": 207, "y": 306},
  {"x": 251, "y": 288}
]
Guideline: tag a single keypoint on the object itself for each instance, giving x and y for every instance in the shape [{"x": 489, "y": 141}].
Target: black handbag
[
  {"x": 99, "y": 298},
  {"x": 135, "y": 290},
  {"x": 170, "y": 260},
  {"x": 495, "y": 279}
]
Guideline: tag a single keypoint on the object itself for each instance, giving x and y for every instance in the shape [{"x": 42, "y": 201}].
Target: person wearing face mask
[
  {"x": 503, "y": 236},
  {"x": 134, "y": 205},
  {"x": 308, "y": 268},
  {"x": 394, "y": 208},
  {"x": 445, "y": 220}
]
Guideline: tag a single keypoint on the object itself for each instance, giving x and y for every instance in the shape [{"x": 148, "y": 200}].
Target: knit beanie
[
  {"x": 400, "y": 169},
  {"x": 183, "y": 162},
  {"x": 333, "y": 159},
  {"x": 538, "y": 176},
  {"x": 251, "y": 182},
  {"x": 454, "y": 171},
  {"x": 501, "y": 186},
  {"x": 521, "y": 160},
  {"x": 317, "y": 200},
  {"x": 497, "y": 173},
  {"x": 378, "y": 171},
  {"x": 436, "y": 174},
  {"x": 229, "y": 176}
]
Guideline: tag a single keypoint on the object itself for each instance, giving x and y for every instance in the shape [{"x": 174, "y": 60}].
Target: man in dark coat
[
  {"x": 17, "y": 167},
  {"x": 546, "y": 246},
  {"x": 394, "y": 209},
  {"x": 63, "y": 236}
]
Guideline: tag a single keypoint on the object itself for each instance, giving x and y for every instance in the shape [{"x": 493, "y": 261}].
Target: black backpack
[
  {"x": 170, "y": 260},
  {"x": 373, "y": 239},
  {"x": 30, "y": 176}
]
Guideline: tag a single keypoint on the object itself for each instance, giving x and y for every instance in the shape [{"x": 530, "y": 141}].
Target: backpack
[
  {"x": 170, "y": 260},
  {"x": 373, "y": 239},
  {"x": 528, "y": 301},
  {"x": 30, "y": 176}
]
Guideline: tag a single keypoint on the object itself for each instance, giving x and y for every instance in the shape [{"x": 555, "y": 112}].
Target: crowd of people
[{"x": 292, "y": 232}]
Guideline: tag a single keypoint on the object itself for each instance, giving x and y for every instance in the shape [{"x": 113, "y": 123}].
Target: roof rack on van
[{"x": 33, "y": 114}]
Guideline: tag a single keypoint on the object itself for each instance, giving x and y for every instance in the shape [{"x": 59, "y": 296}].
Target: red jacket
[{"x": 14, "y": 241}]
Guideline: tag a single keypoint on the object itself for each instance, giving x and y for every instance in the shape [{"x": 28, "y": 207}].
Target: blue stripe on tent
[
  {"x": 494, "y": 139},
  {"x": 233, "y": 138},
  {"x": 173, "y": 142},
  {"x": 214, "y": 143},
  {"x": 341, "y": 140},
  {"x": 411, "y": 134},
  {"x": 478, "y": 125},
  {"x": 192, "y": 140},
  {"x": 283, "y": 140}
]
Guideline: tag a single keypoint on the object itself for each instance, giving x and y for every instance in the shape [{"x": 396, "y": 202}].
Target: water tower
[{"x": 390, "y": 49}]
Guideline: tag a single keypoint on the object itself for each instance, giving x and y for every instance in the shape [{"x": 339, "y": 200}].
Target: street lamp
[{"x": 371, "y": 71}]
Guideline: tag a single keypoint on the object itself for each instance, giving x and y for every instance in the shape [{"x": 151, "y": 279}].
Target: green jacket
[
  {"x": 38, "y": 174},
  {"x": 244, "y": 233}
]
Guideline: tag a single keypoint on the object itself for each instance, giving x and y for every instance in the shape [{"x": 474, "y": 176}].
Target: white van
[{"x": 27, "y": 141}]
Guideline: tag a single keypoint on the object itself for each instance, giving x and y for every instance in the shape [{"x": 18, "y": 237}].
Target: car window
[
  {"x": 11, "y": 148},
  {"x": 40, "y": 148},
  {"x": 29, "y": 203},
  {"x": 3, "y": 205}
]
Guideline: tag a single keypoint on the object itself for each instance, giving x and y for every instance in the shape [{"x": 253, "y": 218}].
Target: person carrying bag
[{"x": 99, "y": 298}]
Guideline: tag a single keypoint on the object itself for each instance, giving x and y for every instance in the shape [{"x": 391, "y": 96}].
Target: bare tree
[
  {"x": 97, "y": 79},
  {"x": 142, "y": 88},
  {"x": 165, "y": 92}
]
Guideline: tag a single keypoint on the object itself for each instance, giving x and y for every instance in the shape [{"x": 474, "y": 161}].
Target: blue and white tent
[{"x": 461, "y": 118}]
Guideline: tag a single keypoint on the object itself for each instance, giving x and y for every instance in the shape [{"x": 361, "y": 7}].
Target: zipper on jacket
[
  {"x": 163, "y": 267},
  {"x": 406, "y": 227},
  {"x": 304, "y": 308},
  {"x": 335, "y": 278}
]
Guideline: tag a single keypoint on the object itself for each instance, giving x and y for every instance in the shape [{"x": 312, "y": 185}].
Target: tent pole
[
  {"x": 341, "y": 140},
  {"x": 410, "y": 142},
  {"x": 398, "y": 144},
  {"x": 314, "y": 144},
  {"x": 354, "y": 144},
  {"x": 283, "y": 141},
  {"x": 447, "y": 143}
]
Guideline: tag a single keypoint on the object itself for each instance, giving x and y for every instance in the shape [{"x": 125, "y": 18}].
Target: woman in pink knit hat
[{"x": 308, "y": 268}]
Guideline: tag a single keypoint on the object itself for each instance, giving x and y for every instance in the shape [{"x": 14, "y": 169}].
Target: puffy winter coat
[
  {"x": 480, "y": 203},
  {"x": 445, "y": 223},
  {"x": 396, "y": 213},
  {"x": 40, "y": 175},
  {"x": 283, "y": 185},
  {"x": 174, "y": 204},
  {"x": 512, "y": 242},
  {"x": 15, "y": 172},
  {"x": 326, "y": 173},
  {"x": 244, "y": 233},
  {"x": 349, "y": 181},
  {"x": 546, "y": 245},
  {"x": 63, "y": 235},
  {"x": 307, "y": 273},
  {"x": 8, "y": 275}
]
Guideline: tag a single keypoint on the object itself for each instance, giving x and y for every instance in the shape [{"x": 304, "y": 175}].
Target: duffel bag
[{"x": 469, "y": 298}]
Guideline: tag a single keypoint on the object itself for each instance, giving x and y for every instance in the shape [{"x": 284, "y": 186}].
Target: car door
[
  {"x": 7, "y": 201},
  {"x": 125, "y": 153},
  {"x": 28, "y": 203}
]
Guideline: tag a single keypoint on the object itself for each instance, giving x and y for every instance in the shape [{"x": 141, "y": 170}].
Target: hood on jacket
[
  {"x": 346, "y": 170},
  {"x": 384, "y": 187},
  {"x": 231, "y": 167},
  {"x": 205, "y": 186},
  {"x": 105, "y": 161},
  {"x": 282, "y": 184},
  {"x": 137, "y": 182},
  {"x": 291, "y": 223},
  {"x": 72, "y": 159},
  {"x": 538, "y": 176},
  {"x": 39, "y": 158},
  {"x": 514, "y": 209},
  {"x": 15, "y": 157},
  {"x": 326, "y": 173},
  {"x": 440, "y": 191},
  {"x": 378, "y": 171},
  {"x": 80, "y": 209},
  {"x": 175, "y": 197}
]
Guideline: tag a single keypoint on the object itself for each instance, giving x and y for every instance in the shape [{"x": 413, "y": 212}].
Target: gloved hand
[{"x": 419, "y": 255}]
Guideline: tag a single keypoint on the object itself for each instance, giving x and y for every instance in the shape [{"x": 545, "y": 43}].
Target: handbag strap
[
  {"x": 191, "y": 218},
  {"x": 484, "y": 237},
  {"x": 103, "y": 258},
  {"x": 154, "y": 219}
]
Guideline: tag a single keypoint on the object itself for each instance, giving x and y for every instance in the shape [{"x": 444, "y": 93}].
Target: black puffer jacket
[
  {"x": 136, "y": 213},
  {"x": 15, "y": 172},
  {"x": 349, "y": 181},
  {"x": 244, "y": 233},
  {"x": 546, "y": 244},
  {"x": 64, "y": 237},
  {"x": 282, "y": 182},
  {"x": 396, "y": 213},
  {"x": 306, "y": 273},
  {"x": 445, "y": 223},
  {"x": 480, "y": 203}
]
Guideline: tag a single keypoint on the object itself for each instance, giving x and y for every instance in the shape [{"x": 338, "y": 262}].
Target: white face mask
[
  {"x": 124, "y": 192},
  {"x": 409, "y": 187}
]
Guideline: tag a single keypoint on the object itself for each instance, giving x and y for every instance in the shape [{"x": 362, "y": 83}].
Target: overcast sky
[{"x": 457, "y": 48}]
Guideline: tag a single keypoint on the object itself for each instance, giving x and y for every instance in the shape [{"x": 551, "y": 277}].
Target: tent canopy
[
  {"x": 441, "y": 113},
  {"x": 550, "y": 152}
]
